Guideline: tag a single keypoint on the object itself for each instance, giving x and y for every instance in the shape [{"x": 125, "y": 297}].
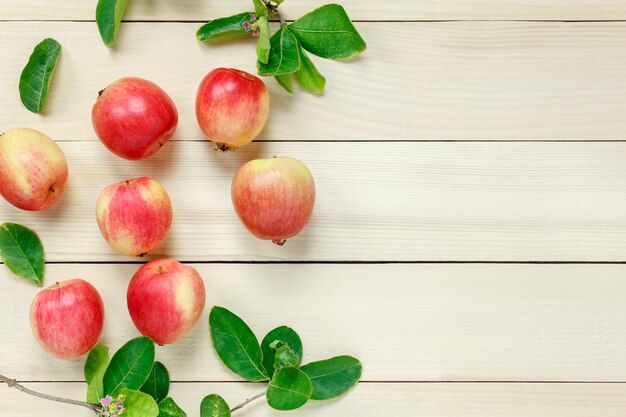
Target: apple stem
[
  {"x": 274, "y": 11},
  {"x": 13, "y": 383},
  {"x": 248, "y": 401}
]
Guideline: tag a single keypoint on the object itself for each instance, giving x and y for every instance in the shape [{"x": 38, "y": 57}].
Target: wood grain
[
  {"x": 357, "y": 9},
  {"x": 416, "y": 81},
  {"x": 404, "y": 322},
  {"x": 393, "y": 202}
]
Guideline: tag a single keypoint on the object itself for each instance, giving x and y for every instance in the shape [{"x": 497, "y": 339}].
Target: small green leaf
[
  {"x": 109, "y": 14},
  {"x": 95, "y": 366},
  {"x": 169, "y": 408},
  {"x": 284, "y": 355},
  {"x": 278, "y": 2},
  {"x": 333, "y": 377},
  {"x": 285, "y": 81},
  {"x": 289, "y": 389},
  {"x": 308, "y": 76},
  {"x": 236, "y": 345},
  {"x": 130, "y": 366},
  {"x": 263, "y": 44},
  {"x": 36, "y": 75},
  {"x": 288, "y": 337},
  {"x": 214, "y": 406},
  {"x": 138, "y": 404},
  {"x": 158, "y": 383},
  {"x": 328, "y": 32},
  {"x": 22, "y": 252},
  {"x": 225, "y": 26},
  {"x": 259, "y": 8},
  {"x": 283, "y": 57}
]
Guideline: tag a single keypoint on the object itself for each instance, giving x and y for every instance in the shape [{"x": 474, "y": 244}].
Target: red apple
[
  {"x": 165, "y": 299},
  {"x": 134, "y": 216},
  {"x": 67, "y": 318},
  {"x": 232, "y": 107},
  {"x": 274, "y": 197},
  {"x": 33, "y": 170},
  {"x": 134, "y": 117}
]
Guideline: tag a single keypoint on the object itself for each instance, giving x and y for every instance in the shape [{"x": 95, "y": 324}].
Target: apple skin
[
  {"x": 67, "y": 318},
  {"x": 165, "y": 300},
  {"x": 33, "y": 169},
  {"x": 134, "y": 118},
  {"x": 232, "y": 107},
  {"x": 134, "y": 216},
  {"x": 274, "y": 197}
]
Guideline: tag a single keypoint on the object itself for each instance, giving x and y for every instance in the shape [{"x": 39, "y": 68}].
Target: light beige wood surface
[
  {"x": 417, "y": 81},
  {"x": 358, "y": 9},
  {"x": 398, "y": 400},
  {"x": 393, "y": 202},
  {"x": 488, "y": 140},
  {"x": 430, "y": 322}
]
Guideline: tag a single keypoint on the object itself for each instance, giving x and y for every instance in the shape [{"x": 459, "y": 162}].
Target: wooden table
[{"x": 469, "y": 238}]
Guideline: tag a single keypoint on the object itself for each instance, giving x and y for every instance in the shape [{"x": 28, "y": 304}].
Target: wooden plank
[
  {"x": 420, "y": 322},
  {"x": 401, "y": 202},
  {"x": 455, "y": 80},
  {"x": 358, "y": 9},
  {"x": 400, "y": 400}
]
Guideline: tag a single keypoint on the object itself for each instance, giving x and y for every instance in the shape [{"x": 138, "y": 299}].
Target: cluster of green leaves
[
  {"x": 37, "y": 74},
  {"x": 277, "y": 361},
  {"x": 132, "y": 376},
  {"x": 22, "y": 252},
  {"x": 326, "y": 32}
]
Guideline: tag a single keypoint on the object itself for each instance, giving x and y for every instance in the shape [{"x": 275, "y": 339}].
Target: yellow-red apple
[
  {"x": 67, "y": 318},
  {"x": 134, "y": 216},
  {"x": 33, "y": 170},
  {"x": 165, "y": 299},
  {"x": 274, "y": 197},
  {"x": 232, "y": 107},
  {"x": 134, "y": 117}
]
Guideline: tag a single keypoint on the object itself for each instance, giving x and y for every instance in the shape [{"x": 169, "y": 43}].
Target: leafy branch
[
  {"x": 275, "y": 361},
  {"x": 326, "y": 32}
]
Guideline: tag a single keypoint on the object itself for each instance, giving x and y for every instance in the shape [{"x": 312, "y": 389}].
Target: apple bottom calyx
[
  {"x": 223, "y": 147},
  {"x": 279, "y": 242}
]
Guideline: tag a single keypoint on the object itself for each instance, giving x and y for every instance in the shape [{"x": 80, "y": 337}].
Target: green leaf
[
  {"x": 214, "y": 406},
  {"x": 36, "y": 75},
  {"x": 289, "y": 389},
  {"x": 138, "y": 404},
  {"x": 22, "y": 252},
  {"x": 333, "y": 377},
  {"x": 285, "y": 82},
  {"x": 259, "y": 8},
  {"x": 158, "y": 383},
  {"x": 109, "y": 14},
  {"x": 169, "y": 408},
  {"x": 283, "y": 57},
  {"x": 130, "y": 366},
  {"x": 263, "y": 44},
  {"x": 95, "y": 366},
  {"x": 225, "y": 26},
  {"x": 236, "y": 345},
  {"x": 328, "y": 32},
  {"x": 308, "y": 76},
  {"x": 284, "y": 355},
  {"x": 289, "y": 339}
]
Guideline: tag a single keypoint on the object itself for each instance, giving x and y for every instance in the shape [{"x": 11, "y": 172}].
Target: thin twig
[
  {"x": 13, "y": 383},
  {"x": 248, "y": 401},
  {"x": 274, "y": 11}
]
